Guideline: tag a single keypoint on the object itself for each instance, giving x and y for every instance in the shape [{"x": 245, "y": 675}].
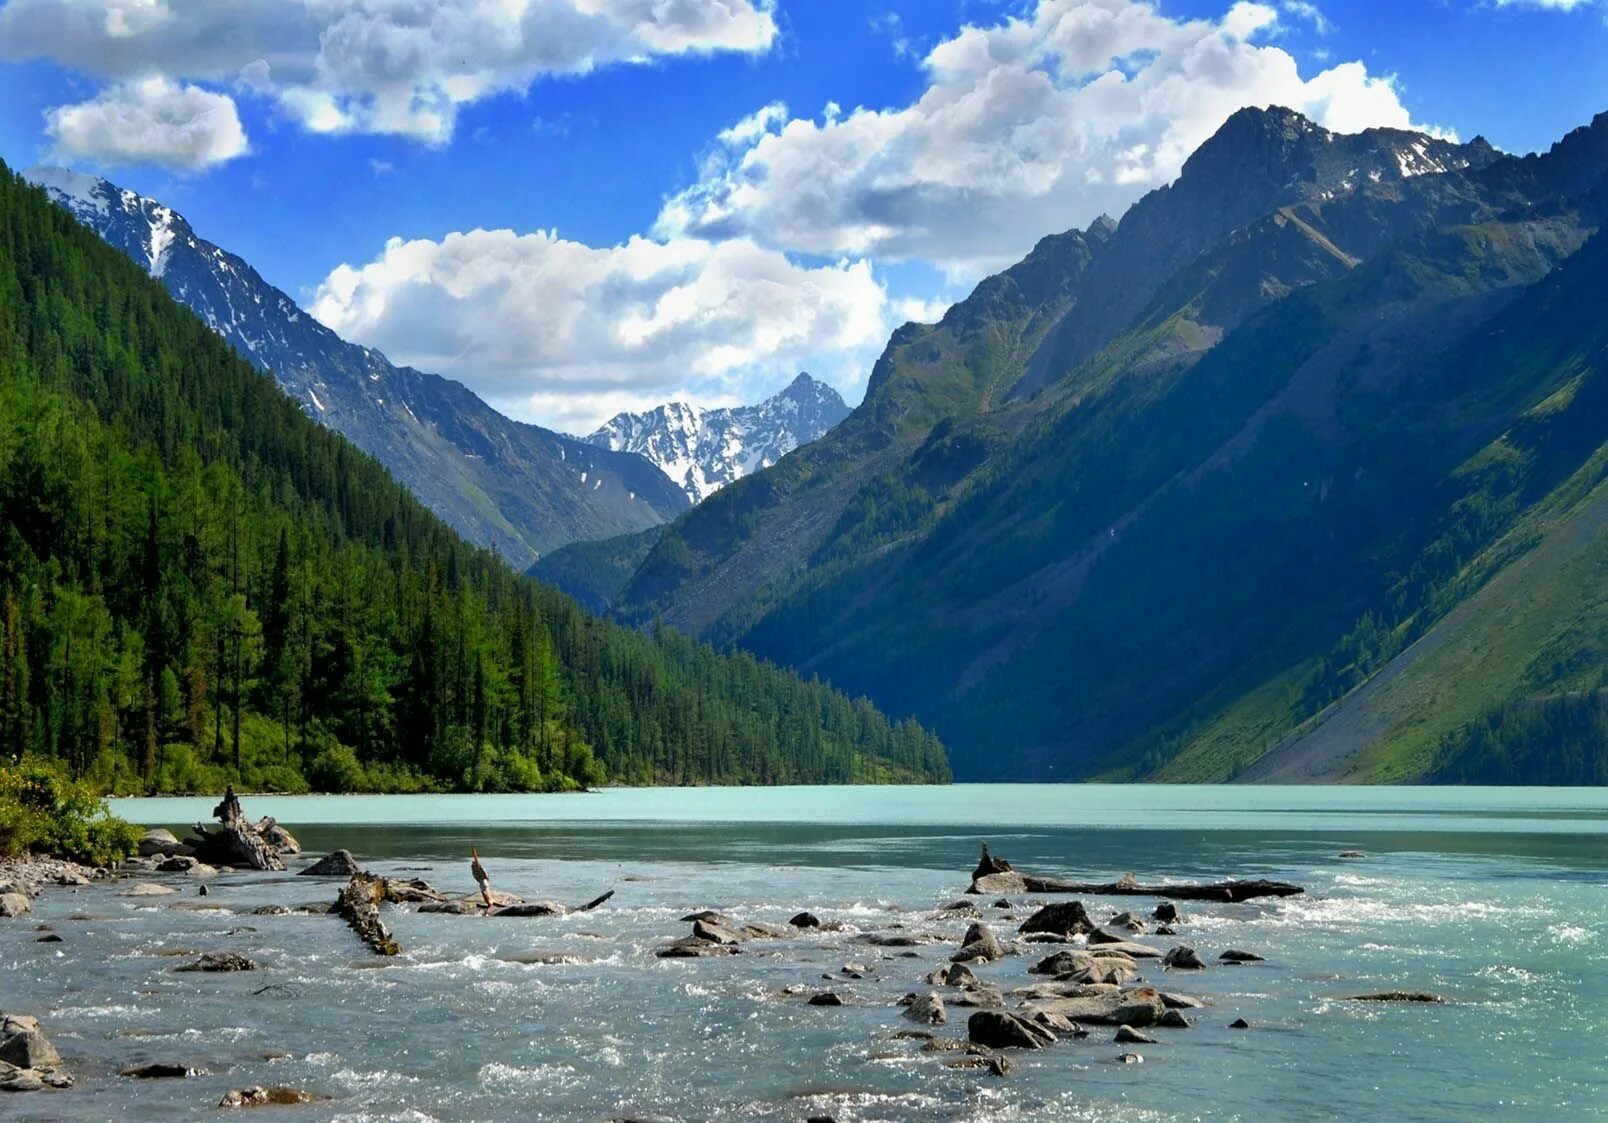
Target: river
[{"x": 1496, "y": 899}]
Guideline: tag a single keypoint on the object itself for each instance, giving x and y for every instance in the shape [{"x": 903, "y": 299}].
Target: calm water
[{"x": 1497, "y": 899}]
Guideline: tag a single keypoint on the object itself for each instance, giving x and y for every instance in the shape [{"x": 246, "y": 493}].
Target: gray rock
[
  {"x": 1125, "y": 921},
  {"x": 1064, "y": 918},
  {"x": 1395, "y": 996},
  {"x": 529, "y": 909},
  {"x": 158, "y": 1071},
  {"x": 24, "y": 1046},
  {"x": 825, "y": 998},
  {"x": 953, "y": 975},
  {"x": 160, "y": 843},
  {"x": 715, "y": 932},
  {"x": 214, "y": 962},
  {"x": 979, "y": 945},
  {"x": 1130, "y": 1059},
  {"x": 927, "y": 1009},
  {"x": 14, "y": 904},
  {"x": 1233, "y": 955},
  {"x": 337, "y": 863},
  {"x": 1138, "y": 1006},
  {"x": 998, "y": 1029},
  {"x": 805, "y": 920},
  {"x": 1127, "y": 1035},
  {"x": 1182, "y": 958},
  {"x": 1172, "y": 1019},
  {"x": 1239, "y": 1023},
  {"x": 691, "y": 947},
  {"x": 1182, "y": 1001}
]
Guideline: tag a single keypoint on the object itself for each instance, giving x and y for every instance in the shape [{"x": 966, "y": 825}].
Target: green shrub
[{"x": 42, "y": 811}]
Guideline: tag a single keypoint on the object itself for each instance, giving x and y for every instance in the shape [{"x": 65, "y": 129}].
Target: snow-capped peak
[{"x": 702, "y": 450}]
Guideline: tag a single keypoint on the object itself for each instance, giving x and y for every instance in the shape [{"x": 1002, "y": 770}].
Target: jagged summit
[
  {"x": 702, "y": 450},
  {"x": 515, "y": 488}
]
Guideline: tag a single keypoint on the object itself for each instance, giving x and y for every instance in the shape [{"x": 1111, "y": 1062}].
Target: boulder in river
[
  {"x": 219, "y": 961},
  {"x": 160, "y": 1070},
  {"x": 1396, "y": 996},
  {"x": 160, "y": 843},
  {"x": 1182, "y": 958},
  {"x": 716, "y": 931},
  {"x": 826, "y": 998},
  {"x": 1064, "y": 918},
  {"x": 1137, "y": 1006},
  {"x": 953, "y": 975},
  {"x": 529, "y": 909},
  {"x": 1172, "y": 1019},
  {"x": 691, "y": 947},
  {"x": 979, "y": 945},
  {"x": 1234, "y": 955},
  {"x": 337, "y": 863},
  {"x": 999, "y": 1029},
  {"x": 927, "y": 1009},
  {"x": 1127, "y": 1035},
  {"x": 14, "y": 904},
  {"x": 805, "y": 920},
  {"x": 147, "y": 889},
  {"x": 1166, "y": 912},
  {"x": 258, "y": 1096}
]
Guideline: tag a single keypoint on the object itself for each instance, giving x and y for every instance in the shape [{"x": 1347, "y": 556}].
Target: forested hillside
[{"x": 198, "y": 583}]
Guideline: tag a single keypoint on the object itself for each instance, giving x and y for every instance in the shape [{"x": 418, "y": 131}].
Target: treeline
[
  {"x": 199, "y": 583},
  {"x": 1560, "y": 740}
]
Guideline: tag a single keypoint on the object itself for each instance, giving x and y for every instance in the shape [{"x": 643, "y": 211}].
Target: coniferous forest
[{"x": 199, "y": 584}]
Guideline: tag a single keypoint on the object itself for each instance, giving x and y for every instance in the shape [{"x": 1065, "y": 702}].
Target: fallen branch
[
  {"x": 995, "y": 875},
  {"x": 359, "y": 905}
]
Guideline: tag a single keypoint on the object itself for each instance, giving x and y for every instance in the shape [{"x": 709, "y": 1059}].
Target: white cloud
[
  {"x": 568, "y": 334},
  {"x": 1036, "y": 124},
  {"x": 384, "y": 66},
  {"x": 1549, "y": 5},
  {"x": 149, "y": 121}
]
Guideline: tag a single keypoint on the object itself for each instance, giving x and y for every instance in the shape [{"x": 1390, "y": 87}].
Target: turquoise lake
[{"x": 1495, "y": 899}]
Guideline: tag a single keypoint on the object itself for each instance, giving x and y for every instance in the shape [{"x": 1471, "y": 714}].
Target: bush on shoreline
[{"x": 44, "y": 812}]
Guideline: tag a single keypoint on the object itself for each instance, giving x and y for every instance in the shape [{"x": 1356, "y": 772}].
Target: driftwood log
[
  {"x": 995, "y": 875},
  {"x": 238, "y": 842},
  {"x": 359, "y": 905}
]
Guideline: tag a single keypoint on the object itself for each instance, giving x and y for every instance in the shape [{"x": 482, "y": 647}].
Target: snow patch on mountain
[{"x": 702, "y": 450}]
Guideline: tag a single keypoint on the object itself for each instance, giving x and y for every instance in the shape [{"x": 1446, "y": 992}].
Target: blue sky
[{"x": 647, "y": 258}]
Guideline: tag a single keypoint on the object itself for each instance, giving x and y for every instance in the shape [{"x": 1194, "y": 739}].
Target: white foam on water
[
  {"x": 514, "y": 1077},
  {"x": 1570, "y": 934},
  {"x": 377, "y": 1078}
]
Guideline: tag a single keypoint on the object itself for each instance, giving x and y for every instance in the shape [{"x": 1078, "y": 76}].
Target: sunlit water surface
[{"x": 1496, "y": 899}]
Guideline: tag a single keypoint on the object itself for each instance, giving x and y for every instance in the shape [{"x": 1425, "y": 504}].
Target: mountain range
[
  {"x": 1296, "y": 472},
  {"x": 518, "y": 489},
  {"x": 703, "y": 450},
  {"x": 199, "y": 585}
]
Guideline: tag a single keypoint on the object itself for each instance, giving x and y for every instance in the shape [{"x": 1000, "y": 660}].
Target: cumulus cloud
[
  {"x": 568, "y": 334},
  {"x": 1036, "y": 124},
  {"x": 384, "y": 66},
  {"x": 150, "y": 121}
]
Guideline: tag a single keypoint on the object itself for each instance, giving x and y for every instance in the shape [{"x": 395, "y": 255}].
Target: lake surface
[{"x": 1495, "y": 898}]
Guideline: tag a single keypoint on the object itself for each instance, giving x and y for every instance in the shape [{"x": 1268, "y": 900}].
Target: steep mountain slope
[
  {"x": 518, "y": 489},
  {"x": 703, "y": 450},
  {"x": 199, "y": 584},
  {"x": 1146, "y": 502}
]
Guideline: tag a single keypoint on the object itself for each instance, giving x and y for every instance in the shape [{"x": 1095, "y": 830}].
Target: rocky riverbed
[{"x": 744, "y": 988}]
